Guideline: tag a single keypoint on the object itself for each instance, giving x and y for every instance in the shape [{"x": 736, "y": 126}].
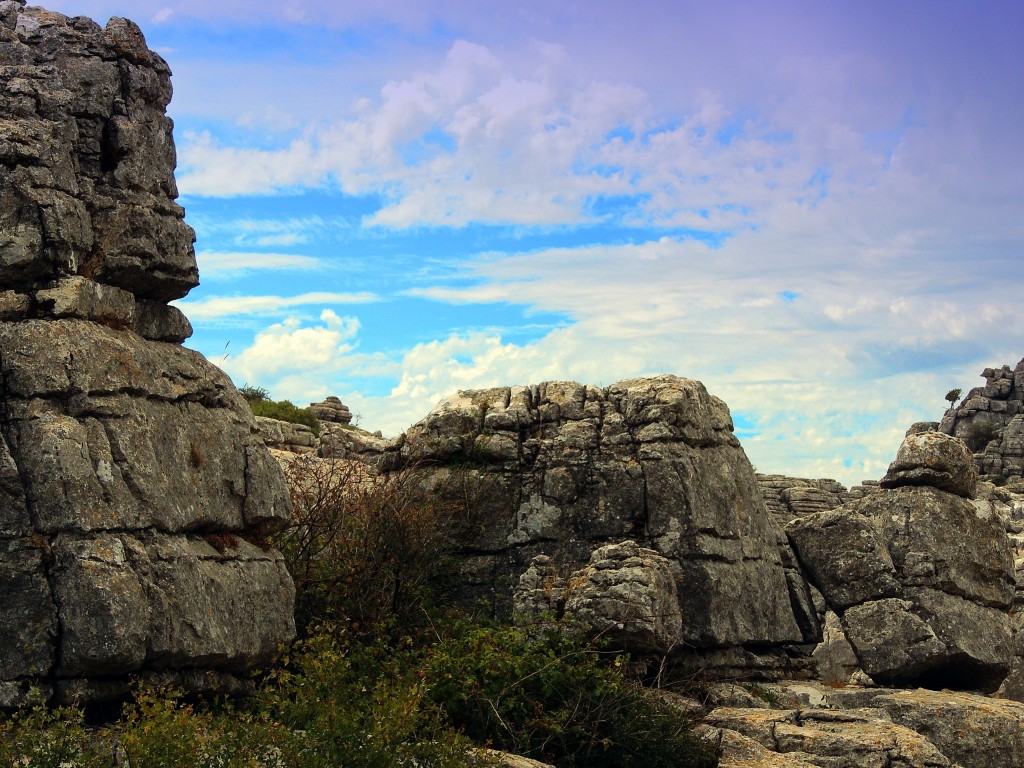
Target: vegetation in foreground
[{"x": 381, "y": 677}]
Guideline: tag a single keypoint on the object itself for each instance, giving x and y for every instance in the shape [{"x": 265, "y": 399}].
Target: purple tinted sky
[{"x": 814, "y": 208}]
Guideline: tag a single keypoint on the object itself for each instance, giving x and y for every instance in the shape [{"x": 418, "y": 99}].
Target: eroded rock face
[
  {"x": 88, "y": 187},
  {"x": 562, "y": 469},
  {"x": 935, "y": 460},
  {"x": 922, "y": 582},
  {"x": 134, "y": 490},
  {"x": 990, "y": 420}
]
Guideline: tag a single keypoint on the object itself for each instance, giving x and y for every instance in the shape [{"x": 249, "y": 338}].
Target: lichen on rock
[{"x": 121, "y": 452}]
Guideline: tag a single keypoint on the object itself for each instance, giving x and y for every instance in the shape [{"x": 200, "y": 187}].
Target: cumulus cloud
[{"x": 822, "y": 227}]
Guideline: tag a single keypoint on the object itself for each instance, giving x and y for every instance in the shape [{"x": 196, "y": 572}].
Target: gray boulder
[
  {"x": 922, "y": 583},
  {"x": 135, "y": 493},
  {"x": 936, "y": 460},
  {"x": 626, "y": 595},
  {"x": 563, "y": 470}
]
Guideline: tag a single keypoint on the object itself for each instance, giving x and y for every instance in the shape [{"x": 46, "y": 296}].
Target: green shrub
[
  {"x": 359, "y": 705},
  {"x": 253, "y": 394},
  {"x": 286, "y": 410},
  {"x": 48, "y": 738},
  {"x": 552, "y": 697}
]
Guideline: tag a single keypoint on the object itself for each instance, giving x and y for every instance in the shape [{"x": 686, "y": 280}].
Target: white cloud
[
  {"x": 214, "y": 307},
  {"x": 289, "y": 348},
  {"x": 212, "y": 169},
  {"x": 864, "y": 197},
  {"x": 221, "y": 265}
]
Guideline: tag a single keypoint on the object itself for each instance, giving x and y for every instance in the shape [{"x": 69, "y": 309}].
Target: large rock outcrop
[
  {"x": 134, "y": 491},
  {"x": 920, "y": 581},
  {"x": 641, "y": 487},
  {"x": 990, "y": 420}
]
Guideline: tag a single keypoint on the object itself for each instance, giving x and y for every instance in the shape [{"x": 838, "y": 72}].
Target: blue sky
[{"x": 814, "y": 208}]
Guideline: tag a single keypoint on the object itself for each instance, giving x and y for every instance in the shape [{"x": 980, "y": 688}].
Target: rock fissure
[{"x": 101, "y": 409}]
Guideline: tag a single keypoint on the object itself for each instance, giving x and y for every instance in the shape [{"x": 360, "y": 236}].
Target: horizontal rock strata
[{"x": 135, "y": 493}]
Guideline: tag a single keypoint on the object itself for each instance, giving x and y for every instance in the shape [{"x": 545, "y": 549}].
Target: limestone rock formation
[
  {"x": 286, "y": 436},
  {"x": 134, "y": 492},
  {"x": 990, "y": 420},
  {"x": 810, "y": 724},
  {"x": 788, "y": 498},
  {"x": 921, "y": 582},
  {"x": 936, "y": 460},
  {"x": 564, "y": 470},
  {"x": 626, "y": 594},
  {"x": 332, "y": 411}
]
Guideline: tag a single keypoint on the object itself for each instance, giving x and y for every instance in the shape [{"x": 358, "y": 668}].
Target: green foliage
[
  {"x": 286, "y": 410},
  {"x": 359, "y": 704},
  {"x": 253, "y": 394},
  {"x": 421, "y": 699},
  {"x": 43, "y": 738},
  {"x": 550, "y": 696},
  {"x": 952, "y": 396}
]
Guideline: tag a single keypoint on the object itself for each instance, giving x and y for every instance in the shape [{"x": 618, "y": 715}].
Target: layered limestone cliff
[
  {"x": 134, "y": 491},
  {"x": 638, "y": 489},
  {"x": 990, "y": 419}
]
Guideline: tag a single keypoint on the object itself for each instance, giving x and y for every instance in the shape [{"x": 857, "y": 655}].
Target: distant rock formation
[
  {"x": 286, "y": 436},
  {"x": 990, "y": 420},
  {"x": 332, "y": 411},
  {"x": 134, "y": 492}
]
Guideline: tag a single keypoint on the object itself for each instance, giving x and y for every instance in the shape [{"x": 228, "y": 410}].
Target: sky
[{"x": 814, "y": 208}]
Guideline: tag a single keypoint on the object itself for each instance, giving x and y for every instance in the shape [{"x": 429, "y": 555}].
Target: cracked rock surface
[
  {"x": 561, "y": 470},
  {"x": 134, "y": 489}
]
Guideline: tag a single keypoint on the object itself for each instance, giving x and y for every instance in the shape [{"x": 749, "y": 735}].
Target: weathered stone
[
  {"x": 569, "y": 468},
  {"x": 26, "y": 611},
  {"x": 922, "y": 580},
  {"x": 989, "y": 421},
  {"x": 937, "y": 540},
  {"x": 285, "y": 435},
  {"x": 845, "y": 556},
  {"x": 834, "y": 657},
  {"x": 978, "y": 640},
  {"x": 627, "y": 594},
  {"x": 839, "y": 739},
  {"x": 89, "y": 188},
  {"x": 167, "y": 602},
  {"x": 117, "y": 447},
  {"x": 739, "y": 751},
  {"x": 332, "y": 411},
  {"x": 933, "y": 459},
  {"x": 975, "y": 731},
  {"x": 892, "y": 643}
]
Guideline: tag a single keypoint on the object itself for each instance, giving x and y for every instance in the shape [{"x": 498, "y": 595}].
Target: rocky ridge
[
  {"x": 990, "y": 420},
  {"x": 134, "y": 491},
  {"x": 911, "y": 578}
]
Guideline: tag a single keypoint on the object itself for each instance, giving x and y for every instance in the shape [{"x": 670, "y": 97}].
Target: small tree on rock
[{"x": 952, "y": 396}]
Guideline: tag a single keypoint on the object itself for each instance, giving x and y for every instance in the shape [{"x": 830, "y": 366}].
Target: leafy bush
[
  {"x": 550, "y": 696},
  {"x": 415, "y": 700},
  {"x": 361, "y": 547},
  {"x": 285, "y": 410},
  {"x": 43, "y": 738},
  {"x": 253, "y": 394},
  {"x": 359, "y": 704}
]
